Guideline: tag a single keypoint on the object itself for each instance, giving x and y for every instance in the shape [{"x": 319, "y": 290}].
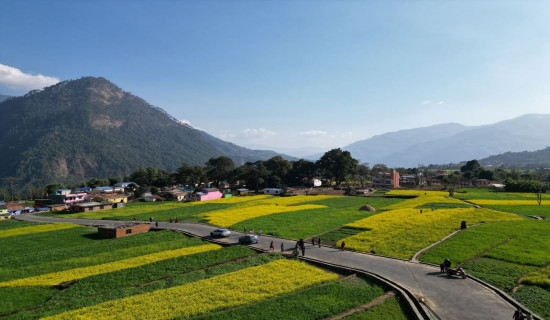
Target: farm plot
[
  {"x": 232, "y": 281},
  {"x": 403, "y": 232},
  {"x": 305, "y": 223},
  {"x": 505, "y": 254}
]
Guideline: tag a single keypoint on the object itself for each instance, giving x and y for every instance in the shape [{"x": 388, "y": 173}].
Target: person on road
[
  {"x": 135, "y": 220},
  {"x": 271, "y": 246},
  {"x": 303, "y": 250},
  {"x": 170, "y": 219},
  {"x": 282, "y": 247},
  {"x": 445, "y": 265},
  {"x": 177, "y": 220},
  {"x": 295, "y": 252},
  {"x": 312, "y": 241},
  {"x": 151, "y": 219},
  {"x": 343, "y": 245},
  {"x": 259, "y": 232},
  {"x": 319, "y": 242},
  {"x": 244, "y": 230},
  {"x": 518, "y": 315},
  {"x": 156, "y": 224}
]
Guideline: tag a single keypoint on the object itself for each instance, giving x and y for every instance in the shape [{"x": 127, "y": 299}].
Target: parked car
[
  {"x": 219, "y": 233},
  {"x": 248, "y": 239}
]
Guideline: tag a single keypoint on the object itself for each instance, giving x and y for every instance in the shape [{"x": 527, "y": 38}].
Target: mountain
[
  {"x": 520, "y": 160},
  {"x": 453, "y": 143},
  {"x": 89, "y": 128},
  {"x": 4, "y": 97}
]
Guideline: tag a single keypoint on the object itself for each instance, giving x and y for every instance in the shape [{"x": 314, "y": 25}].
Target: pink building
[{"x": 208, "y": 194}]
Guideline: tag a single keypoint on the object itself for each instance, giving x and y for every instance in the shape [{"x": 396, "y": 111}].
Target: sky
[{"x": 295, "y": 76}]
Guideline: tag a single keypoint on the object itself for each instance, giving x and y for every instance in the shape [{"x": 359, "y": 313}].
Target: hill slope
[
  {"x": 525, "y": 159},
  {"x": 450, "y": 143},
  {"x": 76, "y": 130}
]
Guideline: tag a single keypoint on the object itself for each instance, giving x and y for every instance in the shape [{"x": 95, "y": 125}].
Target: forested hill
[
  {"x": 4, "y": 97},
  {"x": 520, "y": 160},
  {"x": 89, "y": 128}
]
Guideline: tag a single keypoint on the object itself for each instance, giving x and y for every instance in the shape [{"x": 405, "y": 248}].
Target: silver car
[{"x": 220, "y": 233}]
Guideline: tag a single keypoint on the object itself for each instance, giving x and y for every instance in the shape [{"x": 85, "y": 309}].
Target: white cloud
[
  {"x": 313, "y": 133},
  {"x": 15, "y": 79},
  {"x": 430, "y": 102},
  {"x": 259, "y": 133}
]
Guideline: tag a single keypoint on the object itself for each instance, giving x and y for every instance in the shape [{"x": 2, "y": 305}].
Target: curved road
[{"x": 445, "y": 298}]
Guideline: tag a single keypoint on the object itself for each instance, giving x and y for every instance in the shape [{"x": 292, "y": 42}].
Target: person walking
[
  {"x": 170, "y": 219},
  {"x": 282, "y": 247},
  {"x": 271, "y": 246},
  {"x": 343, "y": 245},
  {"x": 151, "y": 219},
  {"x": 295, "y": 252},
  {"x": 156, "y": 224},
  {"x": 244, "y": 230},
  {"x": 135, "y": 220},
  {"x": 259, "y": 232},
  {"x": 177, "y": 220},
  {"x": 319, "y": 242},
  {"x": 313, "y": 241}
]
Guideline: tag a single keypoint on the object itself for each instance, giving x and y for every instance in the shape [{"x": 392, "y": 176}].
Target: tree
[
  {"x": 255, "y": 174},
  {"x": 219, "y": 169},
  {"x": 279, "y": 168},
  {"x": 337, "y": 165},
  {"x": 301, "y": 171},
  {"x": 378, "y": 168}
]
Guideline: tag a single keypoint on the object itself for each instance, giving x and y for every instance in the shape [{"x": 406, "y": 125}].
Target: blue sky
[{"x": 309, "y": 75}]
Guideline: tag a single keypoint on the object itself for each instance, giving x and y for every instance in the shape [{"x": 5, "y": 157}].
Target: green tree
[
  {"x": 337, "y": 165},
  {"x": 279, "y": 168},
  {"x": 301, "y": 171},
  {"x": 219, "y": 169}
]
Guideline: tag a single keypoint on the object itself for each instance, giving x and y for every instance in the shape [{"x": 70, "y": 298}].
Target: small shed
[{"x": 119, "y": 231}]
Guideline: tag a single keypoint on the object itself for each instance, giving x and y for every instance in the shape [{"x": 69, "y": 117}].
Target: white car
[{"x": 219, "y": 233}]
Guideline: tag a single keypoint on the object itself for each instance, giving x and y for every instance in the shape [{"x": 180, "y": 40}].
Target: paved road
[{"x": 446, "y": 298}]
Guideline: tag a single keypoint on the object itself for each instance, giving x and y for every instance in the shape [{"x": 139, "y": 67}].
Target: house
[
  {"x": 57, "y": 207},
  {"x": 112, "y": 198},
  {"x": 386, "y": 180},
  {"x": 90, "y": 206},
  {"x": 273, "y": 191},
  {"x": 241, "y": 192},
  {"x": 124, "y": 184},
  {"x": 62, "y": 192},
  {"x": 481, "y": 182},
  {"x": 4, "y": 215},
  {"x": 176, "y": 195},
  {"x": 207, "y": 194},
  {"x": 85, "y": 189},
  {"x": 68, "y": 198},
  {"x": 112, "y": 231},
  {"x": 104, "y": 189},
  {"x": 41, "y": 203}
]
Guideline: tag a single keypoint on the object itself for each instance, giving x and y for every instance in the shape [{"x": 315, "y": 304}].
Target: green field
[
  {"x": 37, "y": 254},
  {"x": 501, "y": 254}
]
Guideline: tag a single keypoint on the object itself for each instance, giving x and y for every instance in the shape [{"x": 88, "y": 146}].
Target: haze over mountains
[
  {"x": 453, "y": 143},
  {"x": 89, "y": 128}
]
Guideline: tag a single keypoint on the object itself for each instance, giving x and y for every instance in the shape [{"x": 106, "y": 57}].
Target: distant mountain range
[
  {"x": 453, "y": 143},
  {"x": 90, "y": 128},
  {"x": 520, "y": 160}
]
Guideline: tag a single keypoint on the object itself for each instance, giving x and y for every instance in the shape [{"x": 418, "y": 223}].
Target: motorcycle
[{"x": 456, "y": 272}]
